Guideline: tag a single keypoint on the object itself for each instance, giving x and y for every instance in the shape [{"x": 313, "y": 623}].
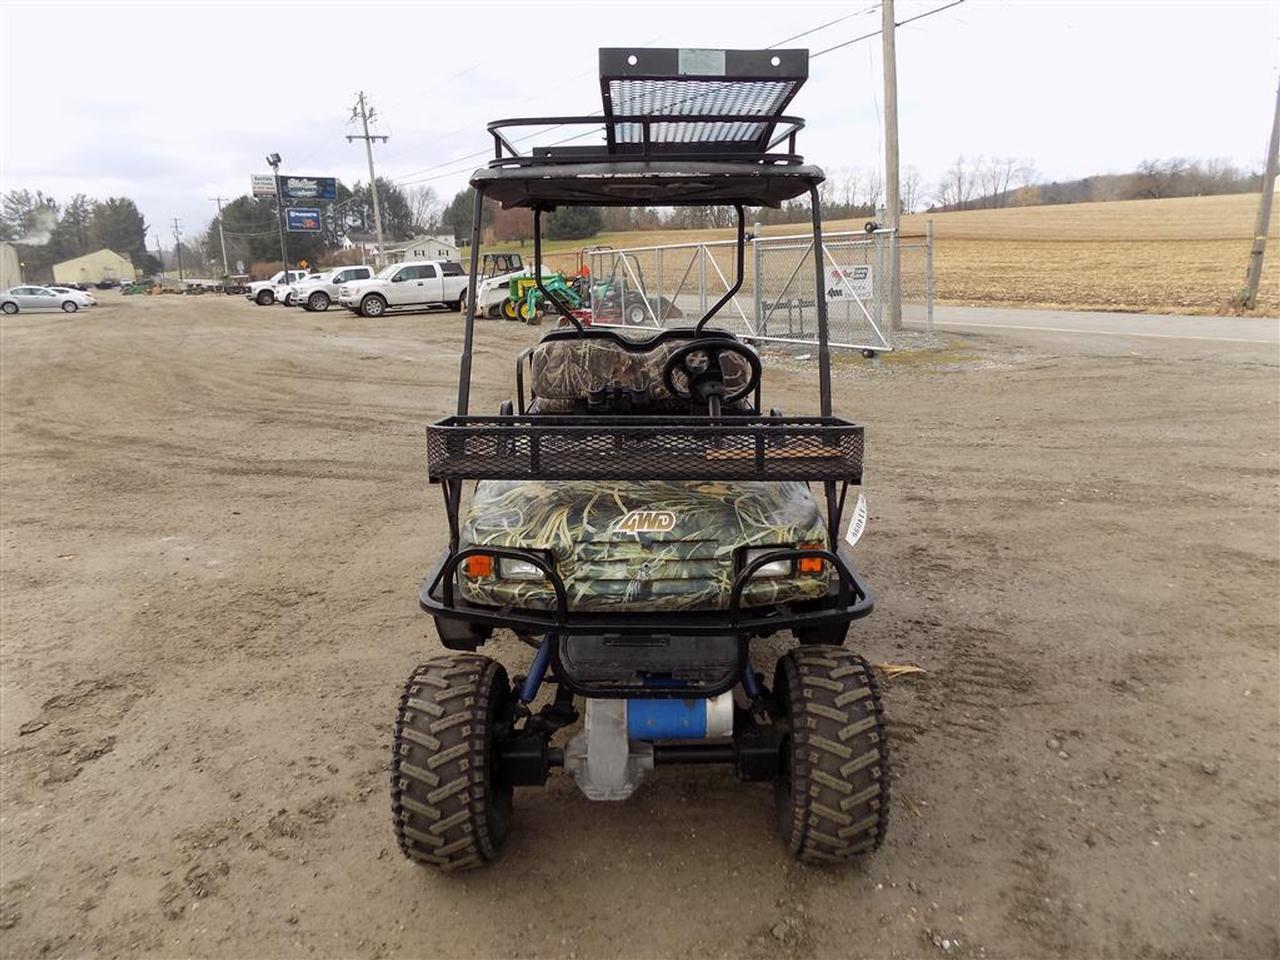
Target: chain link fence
[{"x": 674, "y": 285}]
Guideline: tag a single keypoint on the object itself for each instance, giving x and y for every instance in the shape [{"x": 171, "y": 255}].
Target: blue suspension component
[
  {"x": 537, "y": 671},
  {"x": 666, "y": 719},
  {"x": 750, "y": 682}
]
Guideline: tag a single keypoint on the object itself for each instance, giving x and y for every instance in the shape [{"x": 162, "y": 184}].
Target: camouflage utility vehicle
[{"x": 638, "y": 518}]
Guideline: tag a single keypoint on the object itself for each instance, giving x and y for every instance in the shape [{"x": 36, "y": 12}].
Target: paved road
[{"x": 1164, "y": 327}]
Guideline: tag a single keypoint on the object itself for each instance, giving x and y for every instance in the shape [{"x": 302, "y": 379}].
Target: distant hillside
[{"x": 989, "y": 183}]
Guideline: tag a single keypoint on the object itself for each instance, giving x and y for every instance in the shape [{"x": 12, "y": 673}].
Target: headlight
[
  {"x": 777, "y": 568},
  {"x": 519, "y": 570}
]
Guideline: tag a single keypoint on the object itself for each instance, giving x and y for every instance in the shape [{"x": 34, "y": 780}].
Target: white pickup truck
[
  {"x": 317, "y": 291},
  {"x": 407, "y": 286},
  {"x": 263, "y": 292}
]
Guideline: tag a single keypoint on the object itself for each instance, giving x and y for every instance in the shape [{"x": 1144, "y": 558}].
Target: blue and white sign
[
  {"x": 302, "y": 219},
  {"x": 310, "y": 188}
]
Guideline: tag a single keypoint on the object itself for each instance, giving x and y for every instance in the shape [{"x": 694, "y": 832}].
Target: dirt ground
[{"x": 215, "y": 519}]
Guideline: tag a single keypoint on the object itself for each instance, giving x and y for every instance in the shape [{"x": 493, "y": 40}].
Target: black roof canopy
[{"x": 680, "y": 126}]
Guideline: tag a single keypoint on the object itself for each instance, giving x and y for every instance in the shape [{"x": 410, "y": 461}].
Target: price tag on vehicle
[{"x": 858, "y": 522}]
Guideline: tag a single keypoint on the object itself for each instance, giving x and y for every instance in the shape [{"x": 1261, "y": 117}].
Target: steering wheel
[{"x": 699, "y": 362}]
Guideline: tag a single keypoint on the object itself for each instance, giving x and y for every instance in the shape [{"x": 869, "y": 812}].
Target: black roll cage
[{"x": 683, "y": 170}]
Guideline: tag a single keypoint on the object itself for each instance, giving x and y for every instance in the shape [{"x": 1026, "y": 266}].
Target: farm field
[{"x": 1178, "y": 255}]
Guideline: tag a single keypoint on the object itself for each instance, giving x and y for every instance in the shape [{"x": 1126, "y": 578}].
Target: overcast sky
[{"x": 172, "y": 103}]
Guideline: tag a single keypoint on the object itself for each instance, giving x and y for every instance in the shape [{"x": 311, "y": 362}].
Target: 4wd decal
[{"x": 647, "y": 521}]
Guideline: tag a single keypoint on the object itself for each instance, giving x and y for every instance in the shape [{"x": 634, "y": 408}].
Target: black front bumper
[{"x": 847, "y": 599}]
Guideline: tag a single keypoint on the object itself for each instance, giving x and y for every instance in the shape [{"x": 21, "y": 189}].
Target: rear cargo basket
[{"x": 644, "y": 448}]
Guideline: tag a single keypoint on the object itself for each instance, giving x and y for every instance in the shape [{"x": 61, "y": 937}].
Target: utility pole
[
  {"x": 1248, "y": 297},
  {"x": 892, "y": 204},
  {"x": 273, "y": 161},
  {"x": 177, "y": 245},
  {"x": 222, "y": 237},
  {"x": 367, "y": 113}
]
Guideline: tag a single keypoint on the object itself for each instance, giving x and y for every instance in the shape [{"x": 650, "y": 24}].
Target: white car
[
  {"x": 407, "y": 286},
  {"x": 319, "y": 290},
  {"x": 285, "y": 292},
  {"x": 263, "y": 292},
  {"x": 83, "y": 297},
  {"x": 17, "y": 299}
]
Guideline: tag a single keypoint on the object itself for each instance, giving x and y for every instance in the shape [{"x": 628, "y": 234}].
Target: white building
[{"x": 422, "y": 248}]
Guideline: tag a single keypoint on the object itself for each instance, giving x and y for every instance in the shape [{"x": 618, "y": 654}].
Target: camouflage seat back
[{"x": 572, "y": 369}]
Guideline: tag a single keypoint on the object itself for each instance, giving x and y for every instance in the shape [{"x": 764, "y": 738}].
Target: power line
[
  {"x": 876, "y": 33},
  {"x": 823, "y": 26},
  {"x": 468, "y": 167},
  {"x": 412, "y": 178}
]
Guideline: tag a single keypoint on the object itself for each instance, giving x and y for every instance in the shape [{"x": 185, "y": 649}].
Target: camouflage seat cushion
[{"x": 572, "y": 369}]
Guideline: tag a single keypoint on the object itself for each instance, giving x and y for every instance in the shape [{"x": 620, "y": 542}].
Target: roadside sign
[
  {"x": 310, "y": 188},
  {"x": 264, "y": 185},
  {"x": 302, "y": 219},
  {"x": 855, "y": 279}
]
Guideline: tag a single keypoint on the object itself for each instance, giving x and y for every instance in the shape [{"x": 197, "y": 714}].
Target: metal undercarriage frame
[{"x": 656, "y": 152}]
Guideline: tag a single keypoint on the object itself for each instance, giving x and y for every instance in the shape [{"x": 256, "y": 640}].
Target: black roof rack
[{"x": 680, "y": 126}]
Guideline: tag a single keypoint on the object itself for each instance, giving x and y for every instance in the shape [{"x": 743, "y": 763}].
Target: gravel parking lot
[{"x": 215, "y": 520}]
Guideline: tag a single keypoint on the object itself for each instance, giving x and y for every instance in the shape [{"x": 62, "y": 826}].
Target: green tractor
[{"x": 526, "y": 301}]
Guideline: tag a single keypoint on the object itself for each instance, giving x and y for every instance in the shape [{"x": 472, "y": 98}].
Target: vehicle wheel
[
  {"x": 69, "y": 306},
  {"x": 265, "y": 298},
  {"x": 510, "y": 310},
  {"x": 636, "y": 315},
  {"x": 833, "y": 794},
  {"x": 459, "y": 305},
  {"x": 288, "y": 299},
  {"x": 373, "y": 306},
  {"x": 318, "y": 301},
  {"x": 9, "y": 308},
  {"x": 449, "y": 809}
]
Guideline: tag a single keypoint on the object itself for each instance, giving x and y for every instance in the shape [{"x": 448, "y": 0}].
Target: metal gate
[{"x": 673, "y": 285}]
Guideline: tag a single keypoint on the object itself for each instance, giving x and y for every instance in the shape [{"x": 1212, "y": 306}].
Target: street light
[{"x": 273, "y": 161}]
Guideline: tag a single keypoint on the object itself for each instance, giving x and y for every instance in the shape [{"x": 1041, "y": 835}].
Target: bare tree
[
  {"x": 849, "y": 183},
  {"x": 1026, "y": 174},
  {"x": 995, "y": 177},
  {"x": 1160, "y": 178},
  {"x": 425, "y": 208},
  {"x": 910, "y": 190},
  {"x": 873, "y": 189},
  {"x": 955, "y": 189},
  {"x": 826, "y": 193}
]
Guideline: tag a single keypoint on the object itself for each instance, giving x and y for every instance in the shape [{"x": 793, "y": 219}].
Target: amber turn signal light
[
  {"x": 477, "y": 566},
  {"x": 811, "y": 564}
]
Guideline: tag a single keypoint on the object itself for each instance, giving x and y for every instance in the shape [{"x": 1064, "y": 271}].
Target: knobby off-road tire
[
  {"x": 833, "y": 795},
  {"x": 448, "y": 809}
]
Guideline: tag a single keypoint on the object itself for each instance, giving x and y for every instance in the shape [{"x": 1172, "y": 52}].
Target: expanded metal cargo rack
[{"x": 644, "y": 448}]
